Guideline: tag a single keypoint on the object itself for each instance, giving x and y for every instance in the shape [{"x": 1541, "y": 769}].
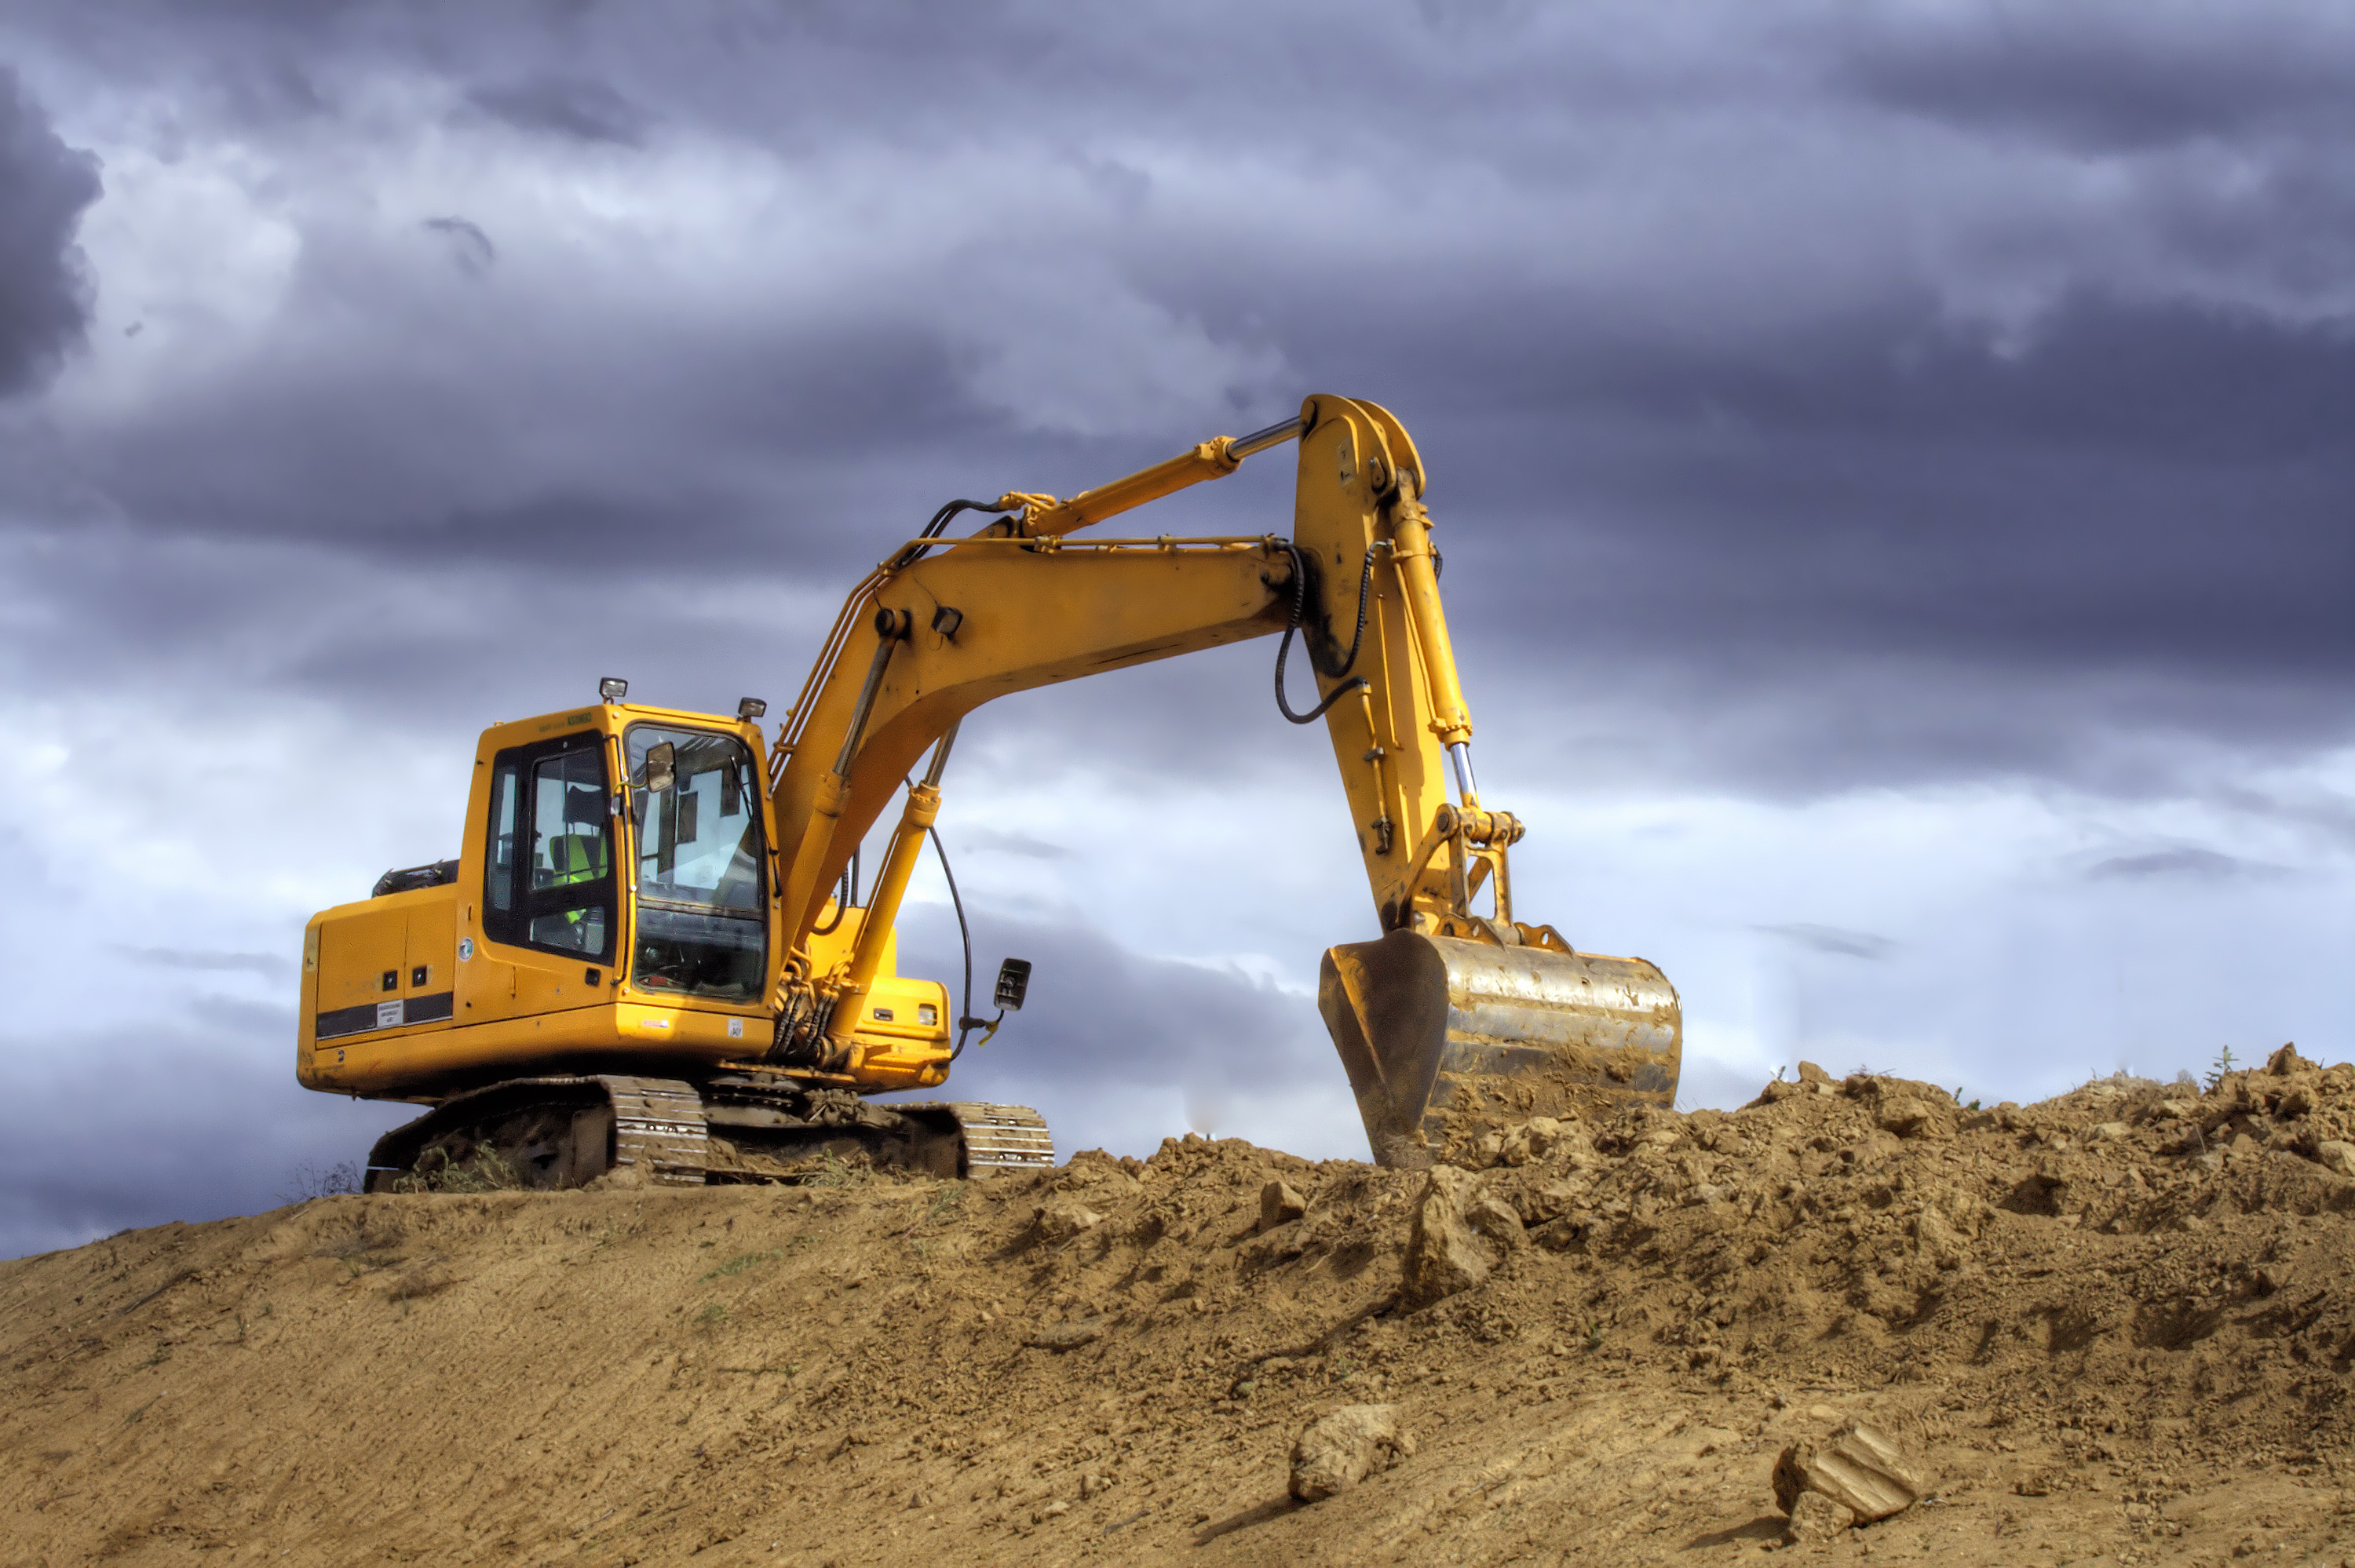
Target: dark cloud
[
  {"x": 198, "y": 1128},
  {"x": 470, "y": 248},
  {"x": 2185, "y": 862},
  {"x": 1832, "y": 940},
  {"x": 585, "y": 109},
  {"x": 46, "y": 288},
  {"x": 269, "y": 966},
  {"x": 1109, "y": 1039},
  {"x": 2109, "y": 78}
]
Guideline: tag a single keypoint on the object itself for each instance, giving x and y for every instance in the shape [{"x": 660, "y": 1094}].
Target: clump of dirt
[{"x": 2117, "y": 1325}]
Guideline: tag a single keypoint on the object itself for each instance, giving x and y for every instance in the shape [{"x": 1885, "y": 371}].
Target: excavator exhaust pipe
[{"x": 1445, "y": 1039}]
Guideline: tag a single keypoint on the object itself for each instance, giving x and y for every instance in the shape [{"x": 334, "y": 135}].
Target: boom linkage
[{"x": 944, "y": 625}]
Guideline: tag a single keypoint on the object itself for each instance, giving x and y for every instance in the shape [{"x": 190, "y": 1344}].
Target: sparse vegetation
[
  {"x": 743, "y": 1261},
  {"x": 307, "y": 1182},
  {"x": 484, "y": 1170},
  {"x": 2224, "y": 1064}
]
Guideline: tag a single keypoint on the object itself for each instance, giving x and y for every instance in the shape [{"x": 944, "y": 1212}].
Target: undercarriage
[{"x": 567, "y": 1130}]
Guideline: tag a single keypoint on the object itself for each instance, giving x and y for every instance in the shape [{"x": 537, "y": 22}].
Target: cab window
[
  {"x": 702, "y": 901},
  {"x": 548, "y": 876}
]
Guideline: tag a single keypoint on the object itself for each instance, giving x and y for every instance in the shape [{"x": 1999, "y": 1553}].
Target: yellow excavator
[{"x": 652, "y": 950}]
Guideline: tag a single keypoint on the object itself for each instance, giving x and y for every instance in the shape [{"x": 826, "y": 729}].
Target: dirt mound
[{"x": 2115, "y": 1325}]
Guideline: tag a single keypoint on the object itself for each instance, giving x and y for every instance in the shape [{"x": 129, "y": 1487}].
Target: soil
[{"x": 2114, "y": 1326}]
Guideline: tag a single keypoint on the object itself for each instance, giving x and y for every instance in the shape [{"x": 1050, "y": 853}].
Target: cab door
[{"x": 550, "y": 913}]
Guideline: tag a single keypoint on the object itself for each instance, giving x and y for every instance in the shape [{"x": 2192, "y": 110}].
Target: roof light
[
  {"x": 612, "y": 688},
  {"x": 750, "y": 708}
]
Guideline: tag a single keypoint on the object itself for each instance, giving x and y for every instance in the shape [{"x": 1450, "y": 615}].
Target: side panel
[{"x": 376, "y": 974}]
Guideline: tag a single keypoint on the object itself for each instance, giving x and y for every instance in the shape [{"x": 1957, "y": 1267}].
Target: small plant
[
  {"x": 712, "y": 1315},
  {"x": 1595, "y": 1333},
  {"x": 743, "y": 1261},
  {"x": 307, "y": 1182},
  {"x": 835, "y": 1171},
  {"x": 2224, "y": 1064},
  {"x": 483, "y": 1170}
]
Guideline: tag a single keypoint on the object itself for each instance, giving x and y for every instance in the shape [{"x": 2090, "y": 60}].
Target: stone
[
  {"x": 1279, "y": 1204},
  {"x": 1907, "y": 1116},
  {"x": 2109, "y": 1132},
  {"x": 1061, "y": 1337},
  {"x": 1061, "y": 1218},
  {"x": 1533, "y": 1139},
  {"x": 2335, "y": 1154},
  {"x": 1337, "y": 1450},
  {"x": 1445, "y": 1252},
  {"x": 1861, "y": 1469},
  {"x": 1814, "y": 1518},
  {"x": 1496, "y": 1220},
  {"x": 2287, "y": 1061},
  {"x": 1811, "y": 1074}
]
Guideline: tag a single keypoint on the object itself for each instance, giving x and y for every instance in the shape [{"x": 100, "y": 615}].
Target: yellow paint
[{"x": 1033, "y": 607}]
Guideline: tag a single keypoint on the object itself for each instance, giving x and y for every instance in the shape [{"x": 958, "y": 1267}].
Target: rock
[
  {"x": 1496, "y": 1219},
  {"x": 1533, "y": 1139},
  {"x": 1861, "y": 1469},
  {"x": 1279, "y": 1204},
  {"x": 1338, "y": 1450},
  {"x": 1907, "y": 1116},
  {"x": 1062, "y": 1217},
  {"x": 1814, "y": 1518},
  {"x": 2109, "y": 1132},
  {"x": 2285, "y": 1061},
  {"x": 2335, "y": 1154},
  {"x": 1811, "y": 1074},
  {"x": 1445, "y": 1251},
  {"x": 1061, "y": 1337}
]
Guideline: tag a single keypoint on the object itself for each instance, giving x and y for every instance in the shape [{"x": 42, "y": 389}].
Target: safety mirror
[
  {"x": 1013, "y": 981},
  {"x": 661, "y": 768}
]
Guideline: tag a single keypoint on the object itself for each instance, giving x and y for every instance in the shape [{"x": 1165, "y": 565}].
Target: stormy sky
[{"x": 1894, "y": 465}]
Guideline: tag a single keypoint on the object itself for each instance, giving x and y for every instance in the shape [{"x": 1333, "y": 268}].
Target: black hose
[
  {"x": 1299, "y": 605},
  {"x": 915, "y": 553},
  {"x": 846, "y": 894},
  {"x": 965, "y": 932}
]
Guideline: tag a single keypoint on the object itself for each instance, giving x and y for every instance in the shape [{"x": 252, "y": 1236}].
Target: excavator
[{"x": 652, "y": 950}]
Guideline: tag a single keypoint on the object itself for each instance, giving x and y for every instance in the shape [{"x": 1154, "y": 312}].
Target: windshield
[{"x": 699, "y": 885}]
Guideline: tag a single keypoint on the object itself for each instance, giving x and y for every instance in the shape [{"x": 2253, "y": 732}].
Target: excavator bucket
[{"x": 1446, "y": 1038}]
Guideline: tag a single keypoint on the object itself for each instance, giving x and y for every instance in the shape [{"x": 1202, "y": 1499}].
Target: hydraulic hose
[{"x": 1299, "y": 607}]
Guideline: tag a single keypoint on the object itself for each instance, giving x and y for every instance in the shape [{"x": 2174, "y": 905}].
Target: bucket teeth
[{"x": 1444, "y": 1039}]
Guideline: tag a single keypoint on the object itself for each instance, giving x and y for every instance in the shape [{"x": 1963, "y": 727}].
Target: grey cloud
[
  {"x": 2187, "y": 862},
  {"x": 1106, "y": 1031},
  {"x": 267, "y": 965},
  {"x": 1833, "y": 939},
  {"x": 577, "y": 107},
  {"x": 470, "y": 248},
  {"x": 2111, "y": 78},
  {"x": 998, "y": 841},
  {"x": 216, "y": 1129},
  {"x": 46, "y": 287}
]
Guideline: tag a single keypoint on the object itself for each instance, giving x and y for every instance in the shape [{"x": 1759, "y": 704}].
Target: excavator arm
[{"x": 1453, "y": 1013}]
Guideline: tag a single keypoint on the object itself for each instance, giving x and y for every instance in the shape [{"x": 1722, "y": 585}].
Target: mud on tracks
[{"x": 2116, "y": 1324}]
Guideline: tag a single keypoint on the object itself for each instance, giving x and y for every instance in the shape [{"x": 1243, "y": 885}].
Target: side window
[
  {"x": 572, "y": 854},
  {"x": 499, "y": 856},
  {"x": 548, "y": 877}
]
